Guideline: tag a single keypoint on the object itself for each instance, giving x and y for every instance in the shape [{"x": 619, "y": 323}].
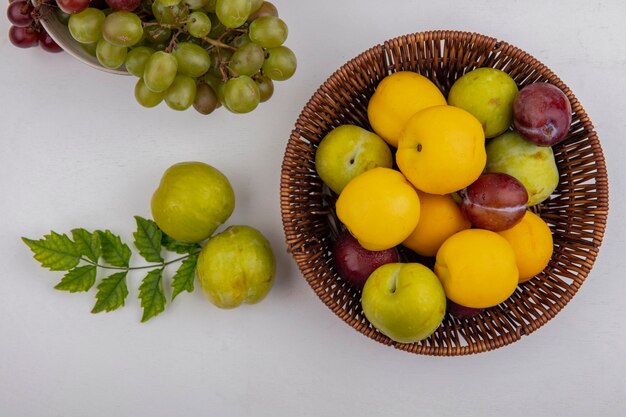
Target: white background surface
[{"x": 77, "y": 151}]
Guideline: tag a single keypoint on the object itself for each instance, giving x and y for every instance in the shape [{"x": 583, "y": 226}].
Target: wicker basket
[{"x": 576, "y": 212}]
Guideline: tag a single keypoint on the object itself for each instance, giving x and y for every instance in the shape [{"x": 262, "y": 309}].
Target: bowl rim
[{"x": 302, "y": 259}]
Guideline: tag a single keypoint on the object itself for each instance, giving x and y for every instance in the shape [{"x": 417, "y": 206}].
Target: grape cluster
[
  {"x": 25, "y": 30},
  {"x": 205, "y": 53}
]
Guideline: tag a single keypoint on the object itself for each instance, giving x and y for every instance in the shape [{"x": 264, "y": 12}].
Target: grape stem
[
  {"x": 132, "y": 268},
  {"x": 218, "y": 44}
]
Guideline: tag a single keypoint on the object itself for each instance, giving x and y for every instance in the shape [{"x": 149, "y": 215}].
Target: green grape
[
  {"x": 210, "y": 6},
  {"x": 136, "y": 60},
  {"x": 195, "y": 4},
  {"x": 241, "y": 94},
  {"x": 109, "y": 55},
  {"x": 255, "y": 5},
  {"x": 168, "y": 3},
  {"x": 182, "y": 93},
  {"x": 266, "y": 9},
  {"x": 193, "y": 60},
  {"x": 266, "y": 87},
  {"x": 160, "y": 71},
  {"x": 156, "y": 34},
  {"x": 145, "y": 96},
  {"x": 220, "y": 94},
  {"x": 268, "y": 31},
  {"x": 198, "y": 24},
  {"x": 233, "y": 13},
  {"x": 206, "y": 100},
  {"x": 169, "y": 14},
  {"x": 280, "y": 64},
  {"x": 217, "y": 27},
  {"x": 213, "y": 81},
  {"x": 161, "y": 46},
  {"x": 216, "y": 63},
  {"x": 122, "y": 28},
  {"x": 86, "y": 26},
  {"x": 146, "y": 6},
  {"x": 240, "y": 41},
  {"x": 90, "y": 48},
  {"x": 248, "y": 59}
]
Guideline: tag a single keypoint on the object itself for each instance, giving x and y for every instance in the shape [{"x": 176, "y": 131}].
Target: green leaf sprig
[{"x": 86, "y": 253}]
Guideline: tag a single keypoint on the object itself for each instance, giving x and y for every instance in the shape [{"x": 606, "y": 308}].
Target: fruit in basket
[
  {"x": 442, "y": 149},
  {"x": 396, "y": 99},
  {"x": 477, "y": 268},
  {"x": 354, "y": 263},
  {"x": 405, "y": 301},
  {"x": 348, "y": 151},
  {"x": 488, "y": 94},
  {"x": 440, "y": 218},
  {"x": 534, "y": 166},
  {"x": 191, "y": 201},
  {"x": 531, "y": 240},
  {"x": 495, "y": 201},
  {"x": 461, "y": 312},
  {"x": 379, "y": 207},
  {"x": 236, "y": 266},
  {"x": 542, "y": 114}
]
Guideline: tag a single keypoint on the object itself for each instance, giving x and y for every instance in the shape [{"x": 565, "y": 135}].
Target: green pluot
[
  {"x": 488, "y": 94},
  {"x": 192, "y": 200},
  {"x": 348, "y": 151},
  {"x": 236, "y": 266},
  {"x": 534, "y": 166},
  {"x": 405, "y": 301}
]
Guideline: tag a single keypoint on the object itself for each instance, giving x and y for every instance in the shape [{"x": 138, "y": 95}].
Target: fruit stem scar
[
  {"x": 393, "y": 282},
  {"x": 419, "y": 147}
]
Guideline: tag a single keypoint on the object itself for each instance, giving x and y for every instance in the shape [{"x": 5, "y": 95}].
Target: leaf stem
[{"x": 132, "y": 268}]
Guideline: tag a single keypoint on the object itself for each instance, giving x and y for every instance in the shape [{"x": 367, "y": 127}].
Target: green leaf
[
  {"x": 87, "y": 243},
  {"x": 78, "y": 279},
  {"x": 151, "y": 294},
  {"x": 148, "y": 239},
  {"x": 56, "y": 252},
  {"x": 112, "y": 292},
  {"x": 184, "y": 277},
  {"x": 178, "y": 247},
  {"x": 114, "y": 252}
]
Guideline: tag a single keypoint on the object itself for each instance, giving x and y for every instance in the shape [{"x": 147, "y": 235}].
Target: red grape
[
  {"x": 73, "y": 6},
  {"x": 23, "y": 37},
  {"x": 127, "y": 5},
  {"x": 47, "y": 43},
  {"x": 542, "y": 114},
  {"x": 461, "y": 312},
  {"x": 495, "y": 201},
  {"x": 19, "y": 13},
  {"x": 354, "y": 263}
]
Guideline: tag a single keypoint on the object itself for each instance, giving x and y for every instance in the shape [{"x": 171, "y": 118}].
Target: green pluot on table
[
  {"x": 405, "y": 301},
  {"x": 532, "y": 165},
  {"x": 348, "y": 151},
  {"x": 488, "y": 94},
  {"x": 236, "y": 266},
  {"x": 192, "y": 200}
]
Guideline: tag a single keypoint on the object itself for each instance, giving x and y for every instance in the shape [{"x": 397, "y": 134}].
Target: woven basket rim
[{"x": 601, "y": 181}]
